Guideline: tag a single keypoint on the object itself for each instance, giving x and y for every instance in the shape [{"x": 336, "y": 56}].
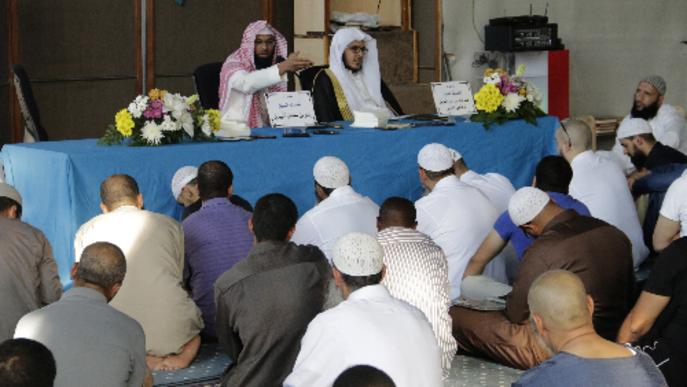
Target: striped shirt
[
  {"x": 417, "y": 272},
  {"x": 215, "y": 238}
]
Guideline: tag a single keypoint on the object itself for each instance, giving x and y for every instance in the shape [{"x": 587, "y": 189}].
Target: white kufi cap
[
  {"x": 182, "y": 177},
  {"x": 8, "y": 191},
  {"x": 525, "y": 204},
  {"x": 358, "y": 254},
  {"x": 455, "y": 155},
  {"x": 331, "y": 172},
  {"x": 632, "y": 127},
  {"x": 435, "y": 157}
]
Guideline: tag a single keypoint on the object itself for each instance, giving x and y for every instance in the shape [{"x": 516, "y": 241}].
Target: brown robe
[{"x": 600, "y": 254}]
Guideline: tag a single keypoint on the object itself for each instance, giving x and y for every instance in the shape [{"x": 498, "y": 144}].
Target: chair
[
  {"x": 206, "y": 81},
  {"x": 33, "y": 130},
  {"x": 307, "y": 76}
]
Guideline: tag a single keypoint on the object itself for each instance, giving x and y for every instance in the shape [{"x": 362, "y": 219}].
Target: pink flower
[{"x": 154, "y": 110}]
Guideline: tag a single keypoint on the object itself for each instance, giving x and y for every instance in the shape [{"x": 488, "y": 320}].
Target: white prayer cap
[
  {"x": 265, "y": 31},
  {"x": 435, "y": 157},
  {"x": 8, "y": 191},
  {"x": 525, "y": 204},
  {"x": 358, "y": 254},
  {"x": 182, "y": 177},
  {"x": 331, "y": 172},
  {"x": 633, "y": 126},
  {"x": 455, "y": 155}
]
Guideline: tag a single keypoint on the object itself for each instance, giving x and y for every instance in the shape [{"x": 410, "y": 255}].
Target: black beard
[
  {"x": 638, "y": 160},
  {"x": 647, "y": 113},
  {"x": 262, "y": 63}
]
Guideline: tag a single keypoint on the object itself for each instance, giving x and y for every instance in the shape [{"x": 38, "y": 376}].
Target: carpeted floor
[{"x": 470, "y": 371}]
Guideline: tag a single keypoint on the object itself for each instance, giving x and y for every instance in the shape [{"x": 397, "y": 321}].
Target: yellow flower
[
  {"x": 213, "y": 118},
  {"x": 488, "y": 72},
  {"x": 522, "y": 91},
  {"x": 488, "y": 98},
  {"x": 124, "y": 122},
  {"x": 157, "y": 94}
]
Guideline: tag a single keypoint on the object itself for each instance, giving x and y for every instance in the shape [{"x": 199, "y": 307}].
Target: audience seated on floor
[
  {"x": 672, "y": 219},
  {"x": 93, "y": 343},
  {"x": 658, "y": 322},
  {"x": 363, "y": 376},
  {"x": 455, "y": 215},
  {"x": 153, "y": 245},
  {"x": 216, "y": 237},
  {"x": 265, "y": 301},
  {"x": 667, "y": 124},
  {"x": 561, "y": 311},
  {"x": 340, "y": 209},
  {"x": 416, "y": 270},
  {"x": 496, "y": 187},
  {"x": 552, "y": 175},
  {"x": 600, "y": 184},
  {"x": 185, "y": 192},
  {"x": 596, "y": 251},
  {"x": 28, "y": 273},
  {"x": 26, "y": 363},
  {"x": 370, "y": 327}
]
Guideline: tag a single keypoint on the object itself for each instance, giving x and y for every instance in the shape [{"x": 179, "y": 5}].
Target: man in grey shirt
[
  {"x": 28, "y": 273},
  {"x": 561, "y": 311},
  {"x": 93, "y": 344}
]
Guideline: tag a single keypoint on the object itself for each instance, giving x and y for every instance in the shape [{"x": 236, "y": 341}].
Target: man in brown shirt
[
  {"x": 600, "y": 254},
  {"x": 28, "y": 273}
]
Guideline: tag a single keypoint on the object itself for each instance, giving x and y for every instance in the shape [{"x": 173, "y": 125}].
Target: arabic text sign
[
  {"x": 290, "y": 109},
  {"x": 453, "y": 98}
]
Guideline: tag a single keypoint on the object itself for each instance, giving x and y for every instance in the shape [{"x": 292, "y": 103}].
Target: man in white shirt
[
  {"x": 339, "y": 211},
  {"x": 599, "y": 183},
  {"x": 455, "y": 215},
  {"x": 667, "y": 123},
  {"x": 370, "y": 327},
  {"x": 672, "y": 219},
  {"x": 416, "y": 270},
  {"x": 497, "y": 188},
  {"x": 258, "y": 66}
]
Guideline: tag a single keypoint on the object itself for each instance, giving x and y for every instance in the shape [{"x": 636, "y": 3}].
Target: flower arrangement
[
  {"x": 505, "y": 97},
  {"x": 162, "y": 118}
]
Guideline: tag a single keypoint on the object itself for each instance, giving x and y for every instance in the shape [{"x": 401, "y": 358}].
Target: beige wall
[{"x": 612, "y": 43}]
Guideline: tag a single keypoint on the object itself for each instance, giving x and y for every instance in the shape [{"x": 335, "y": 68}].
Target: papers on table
[
  {"x": 453, "y": 98},
  {"x": 370, "y": 119},
  {"x": 290, "y": 109}
]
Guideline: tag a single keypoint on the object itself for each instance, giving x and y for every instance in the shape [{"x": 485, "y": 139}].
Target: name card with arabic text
[
  {"x": 290, "y": 109},
  {"x": 453, "y": 98}
]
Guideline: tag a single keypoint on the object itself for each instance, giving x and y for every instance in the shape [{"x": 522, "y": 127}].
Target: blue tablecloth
[{"x": 59, "y": 181}]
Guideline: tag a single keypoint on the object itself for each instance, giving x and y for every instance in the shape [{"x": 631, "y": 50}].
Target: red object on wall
[{"x": 559, "y": 83}]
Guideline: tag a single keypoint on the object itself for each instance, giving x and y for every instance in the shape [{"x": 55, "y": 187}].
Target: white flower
[
  {"x": 533, "y": 94},
  {"x": 186, "y": 122},
  {"x": 191, "y": 100},
  {"x": 138, "y": 106},
  {"x": 512, "y": 102},
  {"x": 174, "y": 103},
  {"x": 168, "y": 125},
  {"x": 206, "y": 128},
  {"x": 493, "y": 79},
  {"x": 151, "y": 133}
]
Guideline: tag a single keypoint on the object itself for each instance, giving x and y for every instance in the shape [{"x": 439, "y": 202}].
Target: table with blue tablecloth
[{"x": 59, "y": 180}]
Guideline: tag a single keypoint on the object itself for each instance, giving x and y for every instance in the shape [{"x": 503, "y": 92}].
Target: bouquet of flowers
[
  {"x": 162, "y": 118},
  {"x": 505, "y": 97}
]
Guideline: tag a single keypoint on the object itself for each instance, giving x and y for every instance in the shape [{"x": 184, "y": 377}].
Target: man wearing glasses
[{"x": 352, "y": 81}]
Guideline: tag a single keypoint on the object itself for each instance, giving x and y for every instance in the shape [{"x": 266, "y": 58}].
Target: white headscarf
[{"x": 370, "y": 71}]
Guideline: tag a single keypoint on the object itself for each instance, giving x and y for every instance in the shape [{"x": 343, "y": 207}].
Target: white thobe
[
  {"x": 457, "y": 217},
  {"x": 601, "y": 186},
  {"x": 372, "y": 328},
  {"x": 497, "y": 188},
  {"x": 675, "y": 203}
]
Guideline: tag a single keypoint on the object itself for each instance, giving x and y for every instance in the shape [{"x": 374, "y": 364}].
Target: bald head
[
  {"x": 559, "y": 298},
  {"x": 397, "y": 212},
  {"x": 118, "y": 190},
  {"x": 575, "y": 134},
  {"x": 101, "y": 264}
]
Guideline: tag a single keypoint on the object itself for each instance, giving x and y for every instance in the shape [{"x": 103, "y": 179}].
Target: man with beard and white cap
[
  {"x": 667, "y": 123},
  {"x": 497, "y": 188},
  {"x": 339, "y": 209},
  {"x": 370, "y": 327},
  {"x": 257, "y": 67},
  {"x": 353, "y": 81},
  {"x": 597, "y": 252},
  {"x": 455, "y": 215}
]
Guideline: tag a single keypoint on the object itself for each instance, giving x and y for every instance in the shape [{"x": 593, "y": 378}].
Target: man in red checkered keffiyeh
[{"x": 258, "y": 66}]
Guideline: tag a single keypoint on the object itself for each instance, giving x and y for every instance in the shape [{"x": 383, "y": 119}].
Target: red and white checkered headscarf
[{"x": 243, "y": 59}]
